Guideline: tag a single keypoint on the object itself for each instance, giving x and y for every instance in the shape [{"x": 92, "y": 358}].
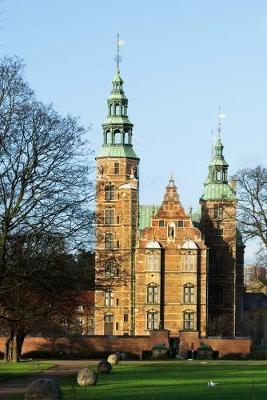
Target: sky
[{"x": 181, "y": 60}]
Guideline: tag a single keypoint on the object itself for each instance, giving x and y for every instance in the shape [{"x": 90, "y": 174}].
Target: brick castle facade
[{"x": 162, "y": 267}]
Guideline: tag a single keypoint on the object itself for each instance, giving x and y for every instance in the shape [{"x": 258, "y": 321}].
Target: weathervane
[{"x": 118, "y": 59}]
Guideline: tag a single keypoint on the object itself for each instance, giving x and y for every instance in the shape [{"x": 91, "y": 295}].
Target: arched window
[
  {"x": 109, "y": 241},
  {"x": 189, "y": 293},
  {"x": 109, "y": 192},
  {"x": 152, "y": 293},
  {"x": 152, "y": 320},
  {"x": 117, "y": 109},
  {"x": 109, "y": 216},
  {"x": 188, "y": 320},
  {"x": 117, "y": 137},
  {"x": 108, "y": 137}
]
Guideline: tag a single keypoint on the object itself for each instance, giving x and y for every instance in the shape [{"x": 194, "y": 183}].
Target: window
[
  {"x": 109, "y": 216},
  {"x": 108, "y": 298},
  {"x": 109, "y": 269},
  {"x": 189, "y": 293},
  {"x": 153, "y": 262},
  {"x": 218, "y": 175},
  {"x": 189, "y": 262},
  {"x": 189, "y": 323},
  {"x": 109, "y": 192},
  {"x": 218, "y": 211},
  {"x": 152, "y": 293},
  {"x": 179, "y": 224},
  {"x": 117, "y": 326},
  {"x": 109, "y": 241},
  {"x": 125, "y": 317},
  {"x": 161, "y": 223},
  {"x": 117, "y": 302},
  {"x": 152, "y": 320},
  {"x": 116, "y": 168}
]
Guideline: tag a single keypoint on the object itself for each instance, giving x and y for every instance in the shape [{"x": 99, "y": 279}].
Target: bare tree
[
  {"x": 252, "y": 204},
  {"x": 44, "y": 170}
]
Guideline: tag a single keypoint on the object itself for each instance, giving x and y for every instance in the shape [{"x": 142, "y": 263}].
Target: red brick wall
[
  {"x": 86, "y": 345},
  {"x": 190, "y": 340}
]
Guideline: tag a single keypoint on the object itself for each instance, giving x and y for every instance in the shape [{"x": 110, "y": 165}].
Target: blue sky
[{"x": 181, "y": 59}]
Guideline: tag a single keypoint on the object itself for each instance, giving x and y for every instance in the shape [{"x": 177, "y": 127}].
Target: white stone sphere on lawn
[{"x": 113, "y": 359}]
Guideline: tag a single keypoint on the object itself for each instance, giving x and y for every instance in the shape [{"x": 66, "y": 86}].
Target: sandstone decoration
[
  {"x": 86, "y": 377},
  {"x": 43, "y": 389}
]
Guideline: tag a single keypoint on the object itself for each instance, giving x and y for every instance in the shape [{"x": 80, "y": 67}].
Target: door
[{"x": 108, "y": 324}]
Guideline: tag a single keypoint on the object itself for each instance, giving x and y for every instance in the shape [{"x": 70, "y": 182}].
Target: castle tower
[
  {"x": 226, "y": 251},
  {"x": 117, "y": 218}
]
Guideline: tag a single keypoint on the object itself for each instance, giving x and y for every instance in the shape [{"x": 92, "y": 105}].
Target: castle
[{"x": 161, "y": 267}]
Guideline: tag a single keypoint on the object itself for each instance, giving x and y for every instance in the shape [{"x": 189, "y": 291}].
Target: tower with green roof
[
  {"x": 117, "y": 217},
  {"x": 226, "y": 252}
]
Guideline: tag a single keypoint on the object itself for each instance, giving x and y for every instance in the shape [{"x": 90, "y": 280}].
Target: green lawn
[
  {"x": 177, "y": 380},
  {"x": 11, "y": 371}
]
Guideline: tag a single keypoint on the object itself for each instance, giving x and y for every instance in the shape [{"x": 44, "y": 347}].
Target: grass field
[
  {"x": 12, "y": 371},
  {"x": 177, "y": 380}
]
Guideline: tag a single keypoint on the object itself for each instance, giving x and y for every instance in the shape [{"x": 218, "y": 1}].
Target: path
[{"x": 63, "y": 368}]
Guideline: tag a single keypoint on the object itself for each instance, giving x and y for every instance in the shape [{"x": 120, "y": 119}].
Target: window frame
[
  {"x": 152, "y": 320},
  {"x": 108, "y": 298},
  {"x": 109, "y": 216},
  {"x": 188, "y": 320},
  {"x": 152, "y": 293},
  {"x": 109, "y": 192},
  {"x": 189, "y": 293}
]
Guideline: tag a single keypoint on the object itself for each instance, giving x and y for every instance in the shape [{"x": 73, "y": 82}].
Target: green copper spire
[
  {"x": 216, "y": 186},
  {"x": 117, "y": 128}
]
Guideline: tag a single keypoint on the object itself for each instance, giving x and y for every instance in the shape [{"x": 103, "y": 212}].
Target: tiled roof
[
  {"x": 117, "y": 150},
  {"x": 218, "y": 191}
]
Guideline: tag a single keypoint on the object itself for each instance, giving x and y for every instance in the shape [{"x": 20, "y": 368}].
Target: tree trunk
[
  {"x": 10, "y": 348},
  {"x": 19, "y": 343},
  {"x": 13, "y": 347}
]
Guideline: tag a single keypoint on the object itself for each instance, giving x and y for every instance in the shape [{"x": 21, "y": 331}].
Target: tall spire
[
  {"x": 216, "y": 184},
  {"x": 117, "y": 128}
]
